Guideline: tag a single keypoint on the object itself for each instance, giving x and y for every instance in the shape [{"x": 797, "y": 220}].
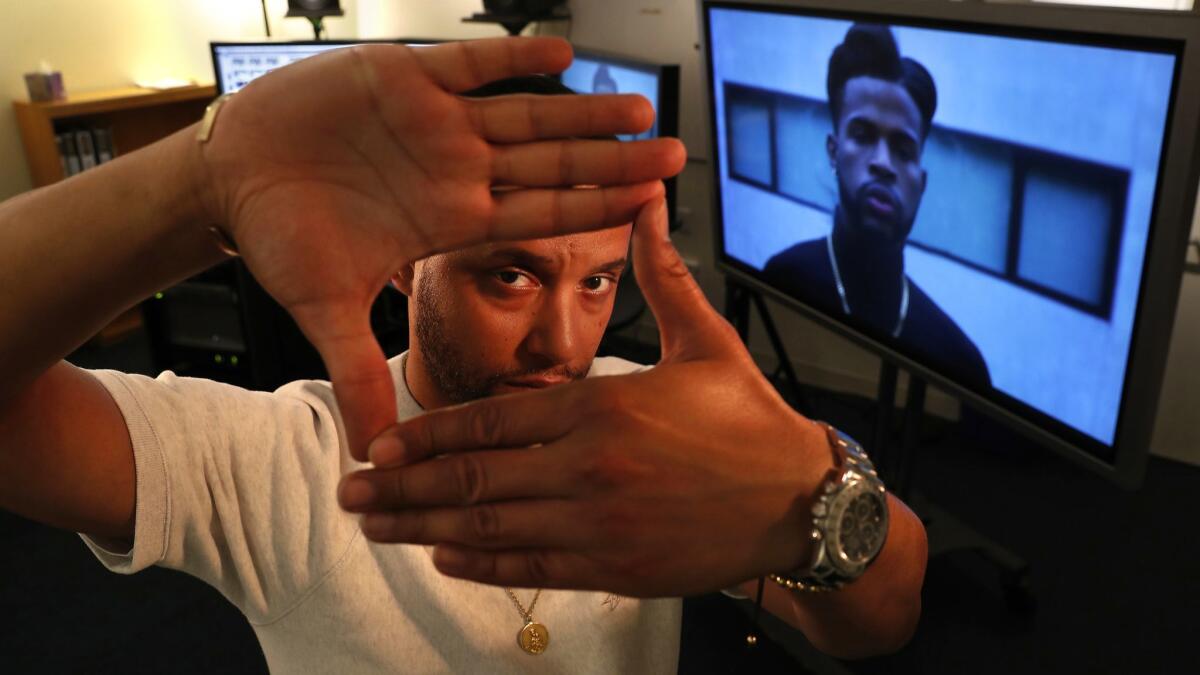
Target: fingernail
[
  {"x": 449, "y": 560},
  {"x": 374, "y": 525},
  {"x": 386, "y": 450},
  {"x": 357, "y": 493}
]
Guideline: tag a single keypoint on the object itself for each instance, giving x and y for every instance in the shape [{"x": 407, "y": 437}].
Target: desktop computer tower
[{"x": 222, "y": 325}]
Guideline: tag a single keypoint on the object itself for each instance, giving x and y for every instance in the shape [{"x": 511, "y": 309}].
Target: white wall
[{"x": 108, "y": 44}]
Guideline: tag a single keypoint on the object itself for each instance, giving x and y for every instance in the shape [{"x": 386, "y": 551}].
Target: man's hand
[
  {"x": 333, "y": 173},
  {"x": 687, "y": 478}
]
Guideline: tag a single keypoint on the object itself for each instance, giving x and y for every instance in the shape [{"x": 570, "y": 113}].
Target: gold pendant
[{"x": 533, "y": 638}]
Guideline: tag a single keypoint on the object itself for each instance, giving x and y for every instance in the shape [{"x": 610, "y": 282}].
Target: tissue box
[{"x": 45, "y": 86}]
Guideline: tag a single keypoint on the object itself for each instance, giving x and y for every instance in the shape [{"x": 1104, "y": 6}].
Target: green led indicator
[
  {"x": 218, "y": 358},
  {"x": 158, "y": 296},
  {"x": 233, "y": 360}
]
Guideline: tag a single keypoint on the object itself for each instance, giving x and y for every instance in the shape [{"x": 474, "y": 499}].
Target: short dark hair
[
  {"x": 869, "y": 50},
  {"x": 542, "y": 85}
]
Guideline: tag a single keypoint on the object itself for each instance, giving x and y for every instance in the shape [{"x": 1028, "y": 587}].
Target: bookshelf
[{"x": 135, "y": 116}]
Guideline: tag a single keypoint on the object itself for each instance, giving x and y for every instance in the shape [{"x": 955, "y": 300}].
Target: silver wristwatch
[{"x": 850, "y": 521}]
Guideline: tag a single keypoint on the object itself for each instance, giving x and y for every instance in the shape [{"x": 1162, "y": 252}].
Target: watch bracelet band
[
  {"x": 820, "y": 578},
  {"x": 224, "y": 242}
]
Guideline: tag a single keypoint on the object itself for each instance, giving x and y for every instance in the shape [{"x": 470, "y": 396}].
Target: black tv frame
[
  {"x": 667, "y": 114},
  {"x": 1171, "y": 217}
]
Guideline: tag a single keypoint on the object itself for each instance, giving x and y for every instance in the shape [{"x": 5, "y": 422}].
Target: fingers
[
  {"x": 461, "y": 66},
  {"x": 523, "y": 118},
  {"x": 518, "y": 420},
  {"x": 538, "y": 568},
  {"x": 515, "y": 524},
  {"x": 688, "y": 325},
  {"x": 584, "y": 162},
  {"x": 538, "y": 213},
  {"x": 361, "y": 379},
  {"x": 460, "y": 479}
]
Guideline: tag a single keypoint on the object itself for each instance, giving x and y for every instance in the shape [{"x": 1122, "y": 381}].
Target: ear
[
  {"x": 831, "y": 150},
  {"x": 403, "y": 280},
  {"x": 924, "y": 180}
]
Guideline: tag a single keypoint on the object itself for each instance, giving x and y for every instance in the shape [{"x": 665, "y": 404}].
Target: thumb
[
  {"x": 688, "y": 326},
  {"x": 361, "y": 379}
]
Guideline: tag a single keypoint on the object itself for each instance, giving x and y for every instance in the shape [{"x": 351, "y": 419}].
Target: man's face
[
  {"x": 507, "y": 317},
  {"x": 876, "y": 152}
]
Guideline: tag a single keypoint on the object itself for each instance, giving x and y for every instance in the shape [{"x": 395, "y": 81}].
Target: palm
[
  {"x": 330, "y": 217},
  {"x": 333, "y": 173}
]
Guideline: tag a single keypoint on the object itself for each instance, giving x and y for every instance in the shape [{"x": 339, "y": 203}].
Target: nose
[
  {"x": 553, "y": 334},
  {"x": 881, "y": 165}
]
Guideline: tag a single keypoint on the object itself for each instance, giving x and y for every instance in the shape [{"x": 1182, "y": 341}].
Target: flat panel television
[
  {"x": 235, "y": 64},
  {"x": 595, "y": 72},
  {"x": 995, "y": 197}
]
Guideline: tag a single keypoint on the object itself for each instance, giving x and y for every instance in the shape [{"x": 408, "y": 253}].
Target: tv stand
[
  {"x": 947, "y": 534},
  {"x": 738, "y": 299}
]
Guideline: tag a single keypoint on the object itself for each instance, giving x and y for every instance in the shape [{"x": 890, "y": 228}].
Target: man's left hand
[{"x": 690, "y": 477}]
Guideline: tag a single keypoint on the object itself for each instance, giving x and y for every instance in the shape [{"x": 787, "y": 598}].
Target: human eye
[
  {"x": 905, "y": 149},
  {"x": 599, "y": 284},
  {"x": 860, "y": 132},
  {"x": 514, "y": 278}
]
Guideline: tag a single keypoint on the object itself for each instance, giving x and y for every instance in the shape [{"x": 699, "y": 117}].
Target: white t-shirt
[{"x": 238, "y": 488}]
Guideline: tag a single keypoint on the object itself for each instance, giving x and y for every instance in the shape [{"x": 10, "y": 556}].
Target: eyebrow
[
  {"x": 521, "y": 257},
  {"x": 897, "y": 131},
  {"x": 524, "y": 258},
  {"x": 611, "y": 266}
]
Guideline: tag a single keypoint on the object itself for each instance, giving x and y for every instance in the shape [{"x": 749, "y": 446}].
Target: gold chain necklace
[{"x": 533, "y": 637}]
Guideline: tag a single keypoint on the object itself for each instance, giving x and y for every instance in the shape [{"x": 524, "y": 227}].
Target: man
[
  {"x": 238, "y": 487},
  {"x": 882, "y": 107}
]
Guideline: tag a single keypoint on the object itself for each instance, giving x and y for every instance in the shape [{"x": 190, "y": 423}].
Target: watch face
[{"x": 863, "y": 527}]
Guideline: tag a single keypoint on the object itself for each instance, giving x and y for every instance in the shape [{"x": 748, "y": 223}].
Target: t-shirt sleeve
[
  {"x": 235, "y": 487},
  {"x": 607, "y": 366}
]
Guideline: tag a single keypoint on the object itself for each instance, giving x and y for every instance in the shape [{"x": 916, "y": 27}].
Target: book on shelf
[
  {"x": 70, "y": 153},
  {"x": 82, "y": 149},
  {"x": 104, "y": 147},
  {"x": 87, "y": 149},
  {"x": 62, "y": 152}
]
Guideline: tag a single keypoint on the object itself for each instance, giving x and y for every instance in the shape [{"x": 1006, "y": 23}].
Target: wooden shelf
[{"x": 136, "y": 116}]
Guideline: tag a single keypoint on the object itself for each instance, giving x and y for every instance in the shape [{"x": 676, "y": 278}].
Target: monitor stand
[
  {"x": 738, "y": 299},
  {"x": 948, "y": 536}
]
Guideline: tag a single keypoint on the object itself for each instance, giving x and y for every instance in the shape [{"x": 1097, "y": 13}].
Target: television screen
[
  {"x": 975, "y": 199},
  {"x": 235, "y": 64},
  {"x": 599, "y": 73},
  {"x": 594, "y": 74}
]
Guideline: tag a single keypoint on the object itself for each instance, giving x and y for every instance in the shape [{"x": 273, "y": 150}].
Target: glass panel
[
  {"x": 801, "y": 128},
  {"x": 1065, "y": 231},
  {"x": 750, "y": 139},
  {"x": 968, "y": 199}
]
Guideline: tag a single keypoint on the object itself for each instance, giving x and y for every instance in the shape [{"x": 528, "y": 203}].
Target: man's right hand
[{"x": 333, "y": 173}]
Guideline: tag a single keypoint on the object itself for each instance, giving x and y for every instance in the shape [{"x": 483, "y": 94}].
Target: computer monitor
[
  {"x": 596, "y": 72},
  {"x": 998, "y": 198},
  {"x": 235, "y": 64}
]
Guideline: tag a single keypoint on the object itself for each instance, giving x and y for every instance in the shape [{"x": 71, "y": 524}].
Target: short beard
[
  {"x": 854, "y": 210},
  {"x": 445, "y": 362}
]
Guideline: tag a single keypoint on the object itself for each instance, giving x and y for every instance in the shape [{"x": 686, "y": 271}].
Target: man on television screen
[{"x": 882, "y": 106}]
